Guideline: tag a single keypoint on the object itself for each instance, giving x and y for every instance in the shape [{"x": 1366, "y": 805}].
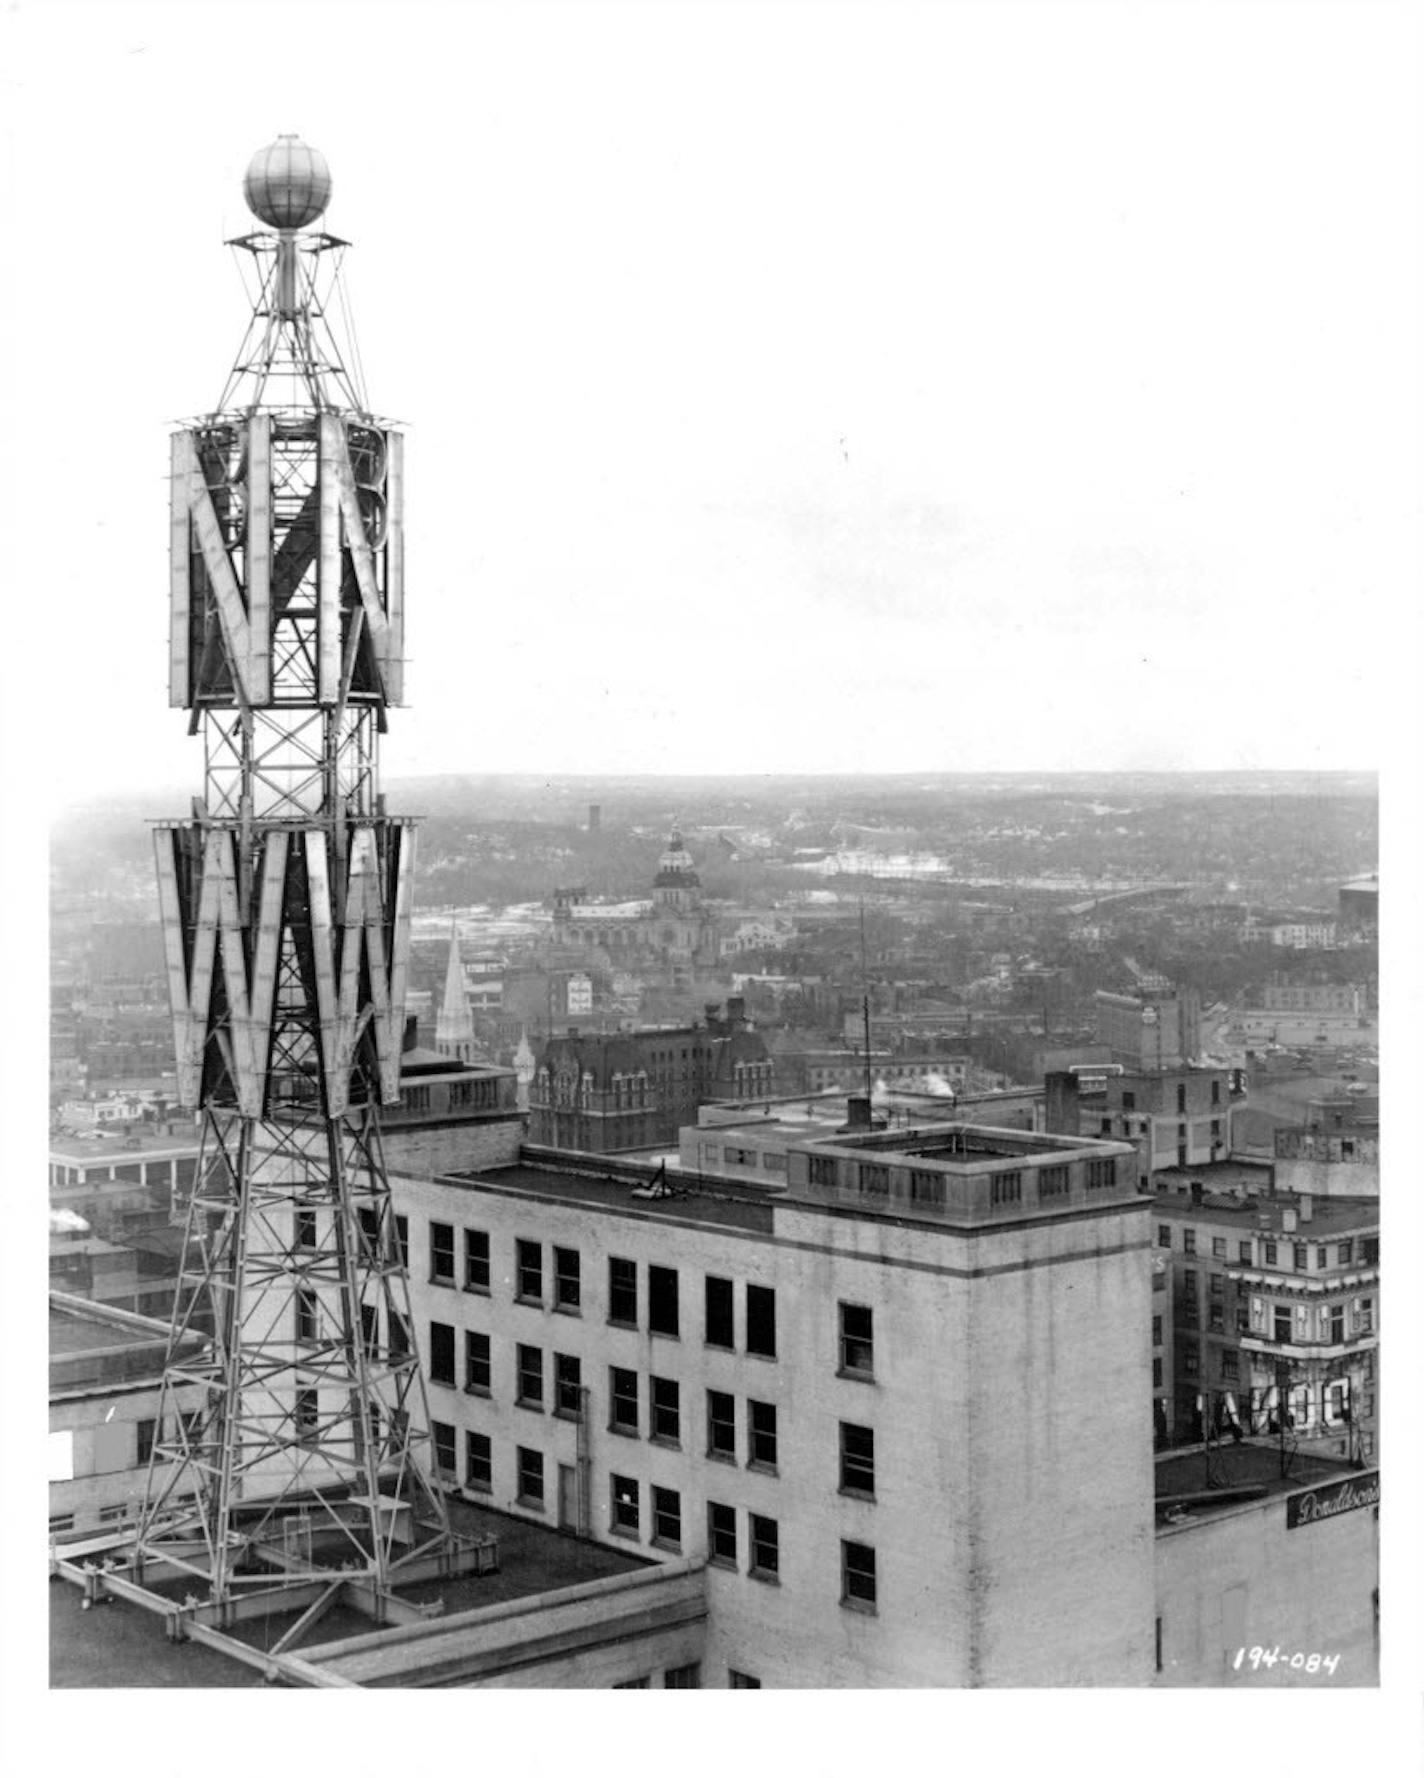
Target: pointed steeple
[{"x": 454, "y": 1028}]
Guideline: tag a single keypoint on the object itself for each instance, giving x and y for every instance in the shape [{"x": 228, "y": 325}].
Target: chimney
[
  {"x": 1307, "y": 1206},
  {"x": 858, "y": 1112},
  {"x": 1197, "y": 1191},
  {"x": 737, "y": 1010},
  {"x": 573, "y": 1030},
  {"x": 1288, "y": 1220}
]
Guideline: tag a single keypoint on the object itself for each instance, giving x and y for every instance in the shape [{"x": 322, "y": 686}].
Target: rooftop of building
[
  {"x": 1313, "y": 1214},
  {"x": 608, "y": 1183},
  {"x": 1250, "y": 1465},
  {"x": 124, "y": 1645},
  {"x": 76, "y": 1325},
  {"x": 102, "y": 1147}
]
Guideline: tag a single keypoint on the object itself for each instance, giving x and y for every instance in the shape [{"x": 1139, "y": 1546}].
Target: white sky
[{"x": 789, "y": 388}]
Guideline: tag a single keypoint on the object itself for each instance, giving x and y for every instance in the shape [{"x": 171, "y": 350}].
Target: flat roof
[
  {"x": 125, "y": 1145},
  {"x": 1252, "y": 1463},
  {"x": 124, "y": 1645},
  {"x": 71, "y": 1332},
  {"x": 1328, "y": 1216},
  {"x": 607, "y": 1191}
]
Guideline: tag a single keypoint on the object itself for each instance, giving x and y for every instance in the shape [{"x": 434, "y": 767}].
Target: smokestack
[
  {"x": 1288, "y": 1221},
  {"x": 595, "y": 817}
]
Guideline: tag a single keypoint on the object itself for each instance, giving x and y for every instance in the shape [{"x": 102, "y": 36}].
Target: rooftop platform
[
  {"x": 1238, "y": 1474},
  {"x": 124, "y": 1645},
  {"x": 1324, "y": 1219},
  {"x": 606, "y": 1183}
]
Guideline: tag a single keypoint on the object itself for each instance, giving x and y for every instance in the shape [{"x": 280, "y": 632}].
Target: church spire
[{"x": 454, "y": 1028}]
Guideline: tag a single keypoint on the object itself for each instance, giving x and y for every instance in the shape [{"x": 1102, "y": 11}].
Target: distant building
[
  {"x": 1176, "y": 1117},
  {"x": 673, "y": 933},
  {"x": 1303, "y": 935},
  {"x": 1359, "y": 904},
  {"x": 105, "y": 1373},
  {"x": 605, "y": 1093},
  {"x": 455, "y": 1028},
  {"x": 1150, "y": 1030},
  {"x": 1275, "y": 1306}
]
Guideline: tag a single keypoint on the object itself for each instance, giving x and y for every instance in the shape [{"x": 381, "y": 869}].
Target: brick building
[{"x": 636, "y": 1089}]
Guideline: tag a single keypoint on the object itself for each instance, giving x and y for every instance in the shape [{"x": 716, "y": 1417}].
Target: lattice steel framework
[{"x": 286, "y": 912}]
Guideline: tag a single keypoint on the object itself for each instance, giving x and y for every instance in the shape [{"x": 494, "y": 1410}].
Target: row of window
[
  {"x": 921, "y": 1185},
  {"x": 1364, "y": 1251},
  {"x": 857, "y": 1443},
  {"x": 661, "y": 1300},
  {"x": 725, "y": 1549}
]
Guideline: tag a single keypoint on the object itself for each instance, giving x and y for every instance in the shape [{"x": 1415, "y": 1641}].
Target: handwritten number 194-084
[{"x": 1299, "y": 1661}]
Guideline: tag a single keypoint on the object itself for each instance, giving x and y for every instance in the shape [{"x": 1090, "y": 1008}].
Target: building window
[
  {"x": 444, "y": 1441},
  {"x": 1102, "y": 1174},
  {"x": 1181, "y": 1100},
  {"x": 1159, "y": 1280},
  {"x": 1189, "y": 1240},
  {"x": 1322, "y": 1258},
  {"x": 1230, "y": 1364},
  {"x": 477, "y": 1363},
  {"x": 399, "y": 1335},
  {"x": 442, "y": 1253},
  {"x": 1282, "y": 1325},
  {"x": 721, "y": 1535},
  {"x": 1345, "y": 1253},
  {"x": 567, "y": 1287},
  {"x": 1215, "y": 1284},
  {"x": 1156, "y": 1330},
  {"x": 822, "y": 1169},
  {"x": 623, "y": 1292},
  {"x": 761, "y": 1321},
  {"x": 477, "y": 1261},
  {"x": 1052, "y": 1182},
  {"x": 857, "y": 1460},
  {"x": 1006, "y": 1188},
  {"x": 858, "y": 1588},
  {"x": 721, "y": 1425},
  {"x": 403, "y": 1240},
  {"x": 765, "y": 1540},
  {"x": 926, "y": 1187},
  {"x": 529, "y": 1377},
  {"x": 1191, "y": 1361},
  {"x": 741, "y": 1682},
  {"x": 1218, "y": 1247},
  {"x": 306, "y": 1228},
  {"x": 632, "y": 1685},
  {"x": 306, "y": 1414},
  {"x": 857, "y": 1340},
  {"x": 531, "y": 1476},
  {"x": 479, "y": 1465},
  {"x": 568, "y": 1386},
  {"x": 1217, "y": 1321},
  {"x": 683, "y": 1679},
  {"x": 442, "y": 1353},
  {"x": 306, "y": 1315},
  {"x": 529, "y": 1262},
  {"x": 1189, "y": 1285},
  {"x": 1164, "y": 1234},
  {"x": 1300, "y": 1255},
  {"x": 1156, "y": 1373},
  {"x": 662, "y": 1301},
  {"x": 667, "y": 1418},
  {"x": 1369, "y": 1250},
  {"x": 761, "y": 1434},
  {"x": 873, "y": 1179},
  {"x": 1129, "y": 1101},
  {"x": 1243, "y": 1252},
  {"x": 623, "y": 1394},
  {"x": 1365, "y": 1315},
  {"x": 720, "y": 1330},
  {"x": 667, "y": 1518},
  {"x": 147, "y": 1438},
  {"x": 625, "y": 1520},
  {"x": 1269, "y": 1252}
]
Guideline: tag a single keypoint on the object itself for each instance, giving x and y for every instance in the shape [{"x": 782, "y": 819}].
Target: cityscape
[{"x": 563, "y": 1178}]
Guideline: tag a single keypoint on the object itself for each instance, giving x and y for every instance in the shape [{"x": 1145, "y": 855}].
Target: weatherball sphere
[{"x": 288, "y": 185}]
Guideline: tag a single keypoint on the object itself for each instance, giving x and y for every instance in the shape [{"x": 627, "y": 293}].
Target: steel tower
[{"x": 286, "y": 900}]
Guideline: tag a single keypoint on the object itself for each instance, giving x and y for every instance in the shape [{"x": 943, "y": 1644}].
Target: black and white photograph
[{"x": 706, "y": 708}]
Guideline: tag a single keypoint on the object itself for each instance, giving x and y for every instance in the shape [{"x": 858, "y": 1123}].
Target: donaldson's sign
[{"x": 1327, "y": 1503}]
